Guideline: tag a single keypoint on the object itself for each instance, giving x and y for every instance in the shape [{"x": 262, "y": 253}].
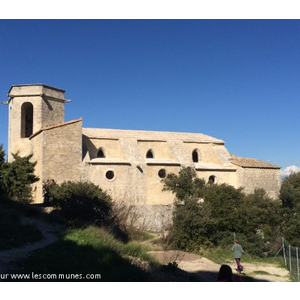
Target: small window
[
  {"x": 100, "y": 153},
  {"x": 212, "y": 179},
  {"x": 110, "y": 175},
  {"x": 149, "y": 154},
  {"x": 195, "y": 156},
  {"x": 162, "y": 173}
]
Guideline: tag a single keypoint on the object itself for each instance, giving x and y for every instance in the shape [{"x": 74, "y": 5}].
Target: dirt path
[
  {"x": 190, "y": 266},
  {"x": 49, "y": 232},
  {"x": 205, "y": 270}
]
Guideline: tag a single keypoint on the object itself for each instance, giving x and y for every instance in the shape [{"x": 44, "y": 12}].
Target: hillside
[{"x": 190, "y": 267}]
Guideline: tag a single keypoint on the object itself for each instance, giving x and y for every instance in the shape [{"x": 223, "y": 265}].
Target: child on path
[{"x": 237, "y": 252}]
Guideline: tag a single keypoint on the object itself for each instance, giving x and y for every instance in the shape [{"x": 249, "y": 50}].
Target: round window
[
  {"x": 162, "y": 173},
  {"x": 110, "y": 175},
  {"x": 212, "y": 179}
]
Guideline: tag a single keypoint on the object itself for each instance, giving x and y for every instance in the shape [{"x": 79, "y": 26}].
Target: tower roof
[
  {"x": 36, "y": 90},
  {"x": 29, "y": 87}
]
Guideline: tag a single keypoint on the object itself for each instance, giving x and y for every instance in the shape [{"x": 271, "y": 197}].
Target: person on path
[{"x": 237, "y": 253}]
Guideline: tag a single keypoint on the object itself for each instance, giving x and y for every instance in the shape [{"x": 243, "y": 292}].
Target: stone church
[{"x": 127, "y": 164}]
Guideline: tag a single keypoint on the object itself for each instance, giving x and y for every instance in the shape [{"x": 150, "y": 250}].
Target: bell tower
[{"x": 31, "y": 108}]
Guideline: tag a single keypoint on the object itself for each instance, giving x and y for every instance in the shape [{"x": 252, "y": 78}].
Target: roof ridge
[
  {"x": 55, "y": 126},
  {"x": 150, "y": 135},
  {"x": 251, "y": 162}
]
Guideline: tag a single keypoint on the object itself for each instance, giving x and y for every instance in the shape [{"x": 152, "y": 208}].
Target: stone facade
[
  {"x": 33, "y": 107},
  {"x": 254, "y": 174},
  {"x": 129, "y": 165}
]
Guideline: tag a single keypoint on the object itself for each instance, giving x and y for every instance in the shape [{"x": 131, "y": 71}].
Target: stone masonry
[{"x": 129, "y": 165}]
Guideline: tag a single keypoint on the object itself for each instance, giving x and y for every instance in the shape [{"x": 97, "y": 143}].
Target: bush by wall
[
  {"x": 211, "y": 214},
  {"x": 16, "y": 177},
  {"x": 83, "y": 201}
]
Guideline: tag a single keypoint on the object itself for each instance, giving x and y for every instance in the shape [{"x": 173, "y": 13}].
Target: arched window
[
  {"x": 100, "y": 153},
  {"x": 195, "y": 156},
  {"x": 26, "y": 120},
  {"x": 150, "y": 154}
]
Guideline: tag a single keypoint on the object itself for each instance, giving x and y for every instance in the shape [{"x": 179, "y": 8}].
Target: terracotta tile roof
[{"x": 251, "y": 163}]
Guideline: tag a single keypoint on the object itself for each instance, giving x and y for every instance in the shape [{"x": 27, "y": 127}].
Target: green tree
[
  {"x": 209, "y": 214},
  {"x": 290, "y": 198},
  {"x": 185, "y": 184},
  {"x": 193, "y": 224},
  {"x": 2, "y": 156},
  {"x": 189, "y": 216},
  {"x": 82, "y": 201},
  {"x": 203, "y": 213},
  {"x": 290, "y": 191},
  {"x": 2, "y": 162},
  {"x": 291, "y": 227},
  {"x": 224, "y": 203},
  {"x": 18, "y": 176},
  {"x": 260, "y": 220}
]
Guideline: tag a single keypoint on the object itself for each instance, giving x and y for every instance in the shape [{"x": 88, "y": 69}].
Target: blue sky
[{"x": 236, "y": 80}]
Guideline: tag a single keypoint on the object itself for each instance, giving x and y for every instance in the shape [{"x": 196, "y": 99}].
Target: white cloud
[{"x": 290, "y": 169}]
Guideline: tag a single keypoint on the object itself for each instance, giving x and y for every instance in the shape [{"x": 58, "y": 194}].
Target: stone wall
[
  {"x": 127, "y": 183},
  {"x": 62, "y": 152},
  {"x": 52, "y": 112},
  {"x": 160, "y": 149},
  {"x": 58, "y": 153},
  {"x": 156, "y": 218},
  {"x": 15, "y": 142},
  {"x": 154, "y": 185},
  {"x": 221, "y": 176},
  {"x": 138, "y": 178},
  {"x": 255, "y": 178},
  {"x": 48, "y": 109},
  {"x": 37, "y": 146}
]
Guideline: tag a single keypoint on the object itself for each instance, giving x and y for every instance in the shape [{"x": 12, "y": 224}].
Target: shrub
[
  {"x": 47, "y": 185},
  {"x": 17, "y": 178},
  {"x": 291, "y": 230},
  {"x": 290, "y": 191},
  {"x": 185, "y": 184},
  {"x": 127, "y": 221},
  {"x": 2, "y": 162},
  {"x": 82, "y": 201},
  {"x": 191, "y": 224},
  {"x": 290, "y": 196},
  {"x": 209, "y": 214}
]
